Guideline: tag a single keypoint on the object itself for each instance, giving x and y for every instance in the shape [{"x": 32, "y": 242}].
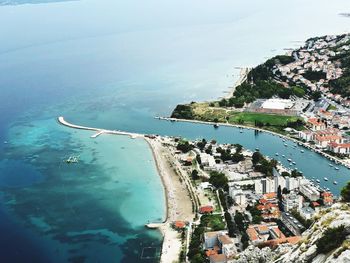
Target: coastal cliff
[{"x": 327, "y": 240}]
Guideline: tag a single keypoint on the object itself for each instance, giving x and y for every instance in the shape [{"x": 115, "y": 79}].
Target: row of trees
[{"x": 263, "y": 165}]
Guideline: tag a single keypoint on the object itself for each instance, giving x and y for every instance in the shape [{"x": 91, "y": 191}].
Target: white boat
[
  {"x": 5, "y": 142},
  {"x": 317, "y": 180},
  {"x": 335, "y": 182},
  {"x": 283, "y": 155},
  {"x": 336, "y": 168},
  {"x": 290, "y": 164},
  {"x": 331, "y": 165},
  {"x": 293, "y": 162},
  {"x": 276, "y": 154},
  {"x": 326, "y": 179},
  {"x": 285, "y": 144},
  {"x": 289, "y": 160},
  {"x": 302, "y": 151}
]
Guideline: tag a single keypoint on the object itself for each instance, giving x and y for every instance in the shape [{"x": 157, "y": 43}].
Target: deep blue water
[{"x": 117, "y": 64}]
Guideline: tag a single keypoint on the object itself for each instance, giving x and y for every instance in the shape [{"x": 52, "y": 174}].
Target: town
[{"x": 241, "y": 199}]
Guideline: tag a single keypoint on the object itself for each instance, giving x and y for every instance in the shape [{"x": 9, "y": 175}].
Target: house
[
  {"x": 179, "y": 225},
  {"x": 341, "y": 148},
  {"x": 228, "y": 248},
  {"x": 206, "y": 209},
  {"x": 218, "y": 243},
  {"x": 316, "y": 124},
  {"x": 211, "y": 239},
  {"x": 324, "y": 137},
  {"x": 306, "y": 135},
  {"x": 327, "y": 198}
]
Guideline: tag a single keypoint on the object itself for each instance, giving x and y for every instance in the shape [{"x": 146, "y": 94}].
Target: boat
[
  {"x": 290, "y": 164},
  {"x": 326, "y": 179},
  {"x": 289, "y": 160},
  {"x": 331, "y": 165},
  {"x": 241, "y": 131},
  {"x": 336, "y": 168},
  {"x": 72, "y": 159},
  {"x": 276, "y": 154},
  {"x": 318, "y": 181},
  {"x": 5, "y": 142},
  {"x": 301, "y": 151},
  {"x": 284, "y": 140},
  {"x": 216, "y": 125},
  {"x": 257, "y": 149},
  {"x": 293, "y": 162},
  {"x": 335, "y": 182},
  {"x": 283, "y": 155},
  {"x": 285, "y": 144}
]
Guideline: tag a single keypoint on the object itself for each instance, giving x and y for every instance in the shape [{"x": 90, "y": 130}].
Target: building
[
  {"x": 206, "y": 209},
  {"x": 310, "y": 192},
  {"x": 292, "y": 223},
  {"x": 265, "y": 185},
  {"x": 258, "y": 233},
  {"x": 306, "y": 135},
  {"x": 211, "y": 239},
  {"x": 292, "y": 201},
  {"x": 208, "y": 161},
  {"x": 277, "y": 104},
  {"x": 228, "y": 248},
  {"x": 341, "y": 148},
  {"x": 327, "y": 198},
  {"x": 316, "y": 124},
  {"x": 324, "y": 137},
  {"x": 219, "y": 246}
]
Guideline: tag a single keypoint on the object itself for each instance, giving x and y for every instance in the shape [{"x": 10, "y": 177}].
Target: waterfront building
[{"x": 310, "y": 192}]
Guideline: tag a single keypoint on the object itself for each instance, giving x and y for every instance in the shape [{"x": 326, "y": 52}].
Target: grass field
[
  {"x": 203, "y": 112},
  {"x": 250, "y": 118}
]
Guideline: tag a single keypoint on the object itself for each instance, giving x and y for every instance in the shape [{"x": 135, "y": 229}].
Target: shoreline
[
  {"x": 243, "y": 74},
  {"x": 174, "y": 191},
  {"x": 306, "y": 145}
]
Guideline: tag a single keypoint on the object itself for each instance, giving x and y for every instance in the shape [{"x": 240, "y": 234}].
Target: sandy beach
[{"x": 179, "y": 205}]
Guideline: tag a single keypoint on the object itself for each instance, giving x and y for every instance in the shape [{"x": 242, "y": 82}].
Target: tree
[
  {"x": 279, "y": 193},
  {"x": 194, "y": 175},
  {"x": 256, "y": 157},
  {"x": 184, "y": 146},
  {"x": 218, "y": 180},
  {"x": 331, "y": 239},
  {"x": 345, "y": 193}
]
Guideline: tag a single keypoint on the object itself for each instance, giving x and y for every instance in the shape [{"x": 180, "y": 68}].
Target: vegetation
[
  {"x": 256, "y": 214},
  {"x": 195, "y": 175},
  {"x": 331, "y": 239},
  {"x": 183, "y": 112},
  {"x": 263, "y": 165},
  {"x": 184, "y": 146},
  {"x": 212, "y": 222},
  {"x": 345, "y": 193},
  {"x": 314, "y": 75},
  {"x": 218, "y": 180}
]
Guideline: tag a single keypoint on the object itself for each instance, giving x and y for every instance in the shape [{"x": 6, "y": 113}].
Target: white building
[
  {"x": 292, "y": 201},
  {"x": 277, "y": 104},
  {"x": 310, "y": 192},
  {"x": 307, "y": 212}
]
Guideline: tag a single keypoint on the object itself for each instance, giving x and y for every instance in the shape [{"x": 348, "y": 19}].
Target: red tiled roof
[
  {"x": 180, "y": 224},
  {"x": 315, "y": 204},
  {"x": 206, "y": 209}
]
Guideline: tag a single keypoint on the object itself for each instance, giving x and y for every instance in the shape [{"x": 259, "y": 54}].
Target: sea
[{"x": 116, "y": 65}]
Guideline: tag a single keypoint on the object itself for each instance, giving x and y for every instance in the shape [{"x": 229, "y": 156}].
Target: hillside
[{"x": 328, "y": 240}]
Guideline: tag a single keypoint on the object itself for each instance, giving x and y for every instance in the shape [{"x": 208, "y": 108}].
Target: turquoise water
[{"x": 117, "y": 64}]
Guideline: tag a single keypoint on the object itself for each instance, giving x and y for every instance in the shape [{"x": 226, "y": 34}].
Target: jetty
[{"x": 98, "y": 131}]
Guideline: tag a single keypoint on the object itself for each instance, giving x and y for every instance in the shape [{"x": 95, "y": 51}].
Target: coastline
[
  {"x": 306, "y": 145},
  {"x": 243, "y": 74},
  {"x": 178, "y": 202}
]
